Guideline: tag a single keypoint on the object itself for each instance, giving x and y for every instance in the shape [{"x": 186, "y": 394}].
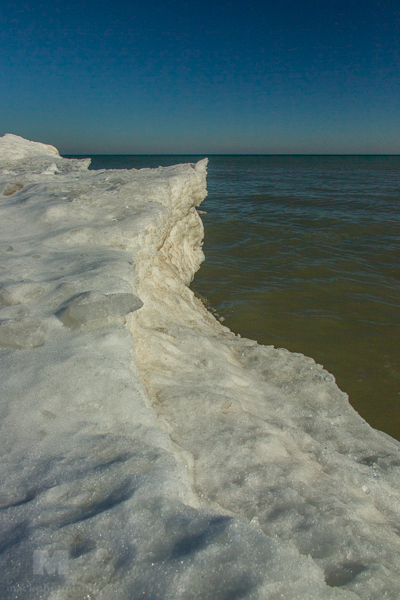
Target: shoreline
[{"x": 154, "y": 448}]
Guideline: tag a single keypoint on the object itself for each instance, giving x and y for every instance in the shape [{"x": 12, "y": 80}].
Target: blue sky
[{"x": 174, "y": 76}]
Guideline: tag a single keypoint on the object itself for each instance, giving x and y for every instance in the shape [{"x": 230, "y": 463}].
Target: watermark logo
[
  {"x": 45, "y": 563},
  {"x": 49, "y": 567}
]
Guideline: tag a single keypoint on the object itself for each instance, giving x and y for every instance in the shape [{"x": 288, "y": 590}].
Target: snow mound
[
  {"x": 146, "y": 450},
  {"x": 13, "y": 147}
]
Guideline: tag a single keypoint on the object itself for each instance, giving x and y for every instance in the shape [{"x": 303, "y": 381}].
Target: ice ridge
[{"x": 147, "y": 451}]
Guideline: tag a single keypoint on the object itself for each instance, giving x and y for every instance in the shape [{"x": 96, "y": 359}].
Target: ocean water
[{"x": 302, "y": 252}]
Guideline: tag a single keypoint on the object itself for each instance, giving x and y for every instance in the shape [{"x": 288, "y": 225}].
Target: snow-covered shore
[{"x": 147, "y": 451}]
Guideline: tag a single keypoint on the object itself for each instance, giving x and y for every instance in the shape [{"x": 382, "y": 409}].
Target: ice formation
[{"x": 147, "y": 451}]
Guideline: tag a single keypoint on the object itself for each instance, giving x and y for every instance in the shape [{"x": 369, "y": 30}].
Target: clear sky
[{"x": 209, "y": 76}]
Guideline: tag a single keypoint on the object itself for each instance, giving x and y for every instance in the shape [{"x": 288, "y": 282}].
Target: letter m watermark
[{"x": 56, "y": 563}]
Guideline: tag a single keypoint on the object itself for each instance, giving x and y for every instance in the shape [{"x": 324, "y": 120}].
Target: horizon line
[{"x": 226, "y": 154}]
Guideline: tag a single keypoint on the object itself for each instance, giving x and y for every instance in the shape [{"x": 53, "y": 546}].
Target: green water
[{"x": 303, "y": 253}]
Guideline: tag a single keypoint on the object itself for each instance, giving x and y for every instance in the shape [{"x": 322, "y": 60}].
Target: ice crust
[{"x": 161, "y": 455}]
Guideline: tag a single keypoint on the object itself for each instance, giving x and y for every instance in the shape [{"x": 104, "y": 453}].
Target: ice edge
[{"x": 238, "y": 469}]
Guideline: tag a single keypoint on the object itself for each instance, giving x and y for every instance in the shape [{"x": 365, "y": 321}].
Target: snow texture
[{"x": 147, "y": 451}]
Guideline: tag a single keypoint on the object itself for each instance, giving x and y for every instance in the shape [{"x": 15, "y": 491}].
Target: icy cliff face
[{"x": 146, "y": 450}]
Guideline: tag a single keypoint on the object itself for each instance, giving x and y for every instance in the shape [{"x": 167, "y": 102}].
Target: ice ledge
[
  {"x": 13, "y": 147},
  {"x": 156, "y": 453}
]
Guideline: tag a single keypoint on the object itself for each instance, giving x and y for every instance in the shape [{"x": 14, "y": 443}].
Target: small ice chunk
[
  {"x": 20, "y": 293},
  {"x": 329, "y": 377},
  {"x": 21, "y": 333},
  {"x": 92, "y": 310},
  {"x": 51, "y": 170}
]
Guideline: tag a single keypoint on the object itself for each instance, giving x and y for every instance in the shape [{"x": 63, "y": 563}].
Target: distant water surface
[{"x": 302, "y": 252}]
